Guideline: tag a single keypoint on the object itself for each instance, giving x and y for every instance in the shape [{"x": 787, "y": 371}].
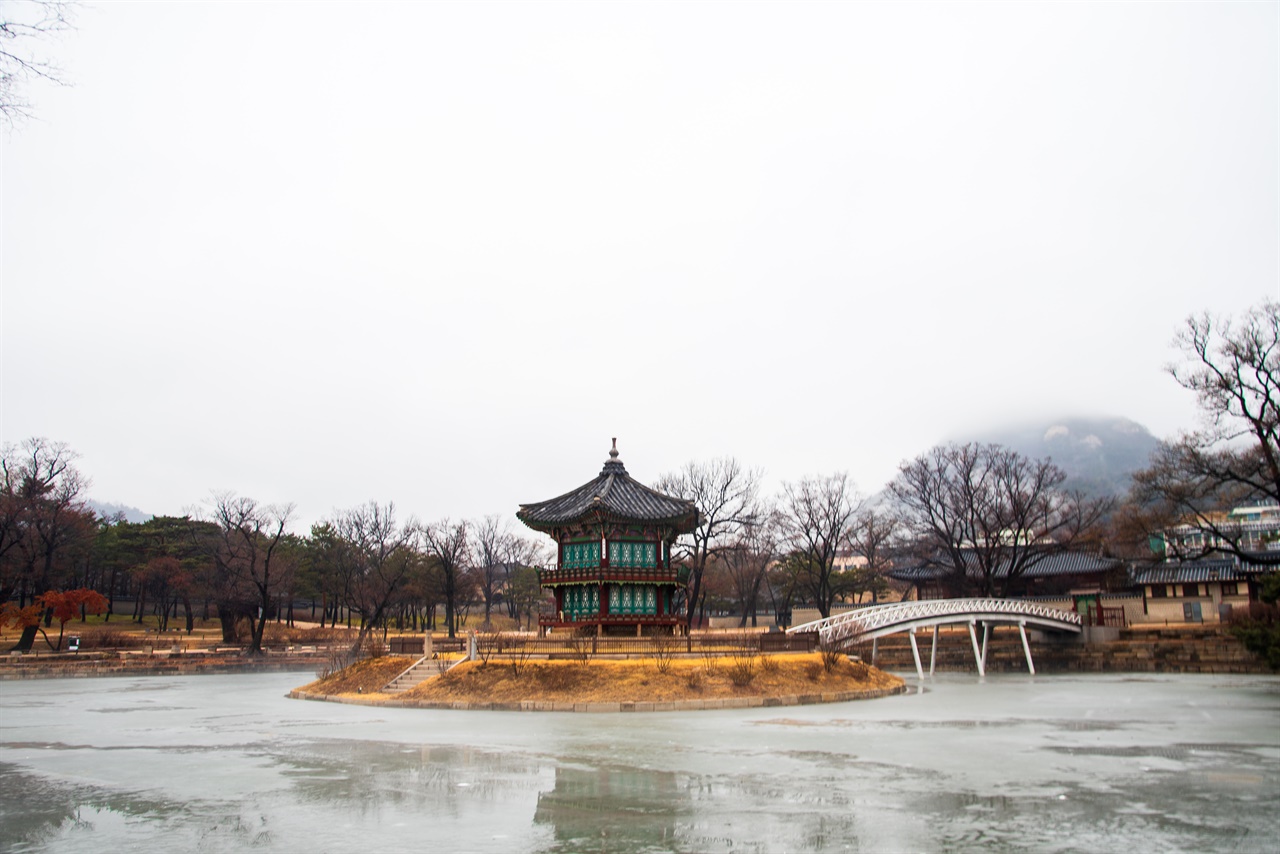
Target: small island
[{"x": 604, "y": 685}]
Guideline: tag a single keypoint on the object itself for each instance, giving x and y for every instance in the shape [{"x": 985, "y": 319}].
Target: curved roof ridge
[{"x": 618, "y": 495}]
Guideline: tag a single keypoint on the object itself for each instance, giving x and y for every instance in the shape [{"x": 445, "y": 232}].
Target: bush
[
  {"x": 580, "y": 646},
  {"x": 487, "y": 645},
  {"x": 831, "y": 655},
  {"x": 743, "y": 665},
  {"x": 1261, "y": 637},
  {"x": 664, "y": 651},
  {"x": 518, "y": 652},
  {"x": 710, "y": 660},
  {"x": 339, "y": 659},
  {"x": 114, "y": 639},
  {"x": 373, "y": 646}
]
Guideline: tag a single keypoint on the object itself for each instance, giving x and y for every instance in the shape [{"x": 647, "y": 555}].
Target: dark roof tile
[{"x": 611, "y": 495}]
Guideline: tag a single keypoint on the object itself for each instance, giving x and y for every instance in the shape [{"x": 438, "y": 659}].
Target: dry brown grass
[
  {"x": 363, "y": 677},
  {"x": 640, "y": 681}
]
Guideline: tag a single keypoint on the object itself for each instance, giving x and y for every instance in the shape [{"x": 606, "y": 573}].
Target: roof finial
[{"x": 613, "y": 455}]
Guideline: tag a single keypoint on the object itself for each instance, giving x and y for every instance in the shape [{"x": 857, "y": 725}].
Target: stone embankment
[
  {"x": 636, "y": 706},
  {"x": 1189, "y": 650},
  {"x": 131, "y": 663}
]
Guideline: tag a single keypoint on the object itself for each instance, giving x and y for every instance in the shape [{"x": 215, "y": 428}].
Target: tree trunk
[
  {"x": 27, "y": 640},
  {"x": 227, "y": 617}
]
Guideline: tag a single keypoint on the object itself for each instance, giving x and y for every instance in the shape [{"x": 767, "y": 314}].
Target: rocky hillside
[{"x": 1098, "y": 454}]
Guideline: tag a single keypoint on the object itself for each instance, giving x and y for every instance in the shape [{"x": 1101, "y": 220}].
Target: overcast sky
[{"x": 439, "y": 254}]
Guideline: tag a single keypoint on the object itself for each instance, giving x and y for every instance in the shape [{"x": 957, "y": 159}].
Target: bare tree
[
  {"x": 449, "y": 543},
  {"x": 985, "y": 514},
  {"x": 1234, "y": 460},
  {"x": 378, "y": 558},
  {"x": 726, "y": 495},
  {"x": 873, "y": 534},
  {"x": 747, "y": 561},
  {"x": 492, "y": 546},
  {"x": 248, "y": 552},
  {"x": 25, "y": 26},
  {"x": 524, "y": 555},
  {"x": 814, "y": 518}
]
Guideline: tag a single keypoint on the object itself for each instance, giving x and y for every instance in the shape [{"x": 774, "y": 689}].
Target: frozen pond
[{"x": 1050, "y": 763}]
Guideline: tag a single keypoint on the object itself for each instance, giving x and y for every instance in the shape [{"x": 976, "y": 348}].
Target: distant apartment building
[
  {"x": 1254, "y": 527},
  {"x": 847, "y": 559}
]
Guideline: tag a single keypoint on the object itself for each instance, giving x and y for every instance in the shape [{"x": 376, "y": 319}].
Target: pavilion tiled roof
[{"x": 613, "y": 495}]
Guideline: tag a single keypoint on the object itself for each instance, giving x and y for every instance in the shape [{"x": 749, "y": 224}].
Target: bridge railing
[{"x": 867, "y": 620}]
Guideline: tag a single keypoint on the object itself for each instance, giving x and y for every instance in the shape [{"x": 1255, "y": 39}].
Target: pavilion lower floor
[
  {"x": 617, "y": 625},
  {"x": 612, "y": 607}
]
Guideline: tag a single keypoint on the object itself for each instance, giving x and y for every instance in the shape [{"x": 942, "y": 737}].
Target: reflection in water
[
  {"x": 614, "y": 809},
  {"x": 1008, "y": 764}
]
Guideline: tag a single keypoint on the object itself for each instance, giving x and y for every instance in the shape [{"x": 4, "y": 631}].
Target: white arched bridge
[{"x": 877, "y": 621}]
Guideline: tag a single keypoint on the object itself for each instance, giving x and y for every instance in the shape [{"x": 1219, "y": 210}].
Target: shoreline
[
  {"x": 754, "y": 702},
  {"x": 1190, "y": 650}
]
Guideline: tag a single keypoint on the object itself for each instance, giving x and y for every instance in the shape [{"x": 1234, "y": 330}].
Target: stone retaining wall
[
  {"x": 671, "y": 706},
  {"x": 1136, "y": 651},
  {"x": 186, "y": 664}
]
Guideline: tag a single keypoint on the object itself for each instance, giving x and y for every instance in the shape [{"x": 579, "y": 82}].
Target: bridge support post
[
  {"x": 977, "y": 654},
  {"x": 933, "y": 653},
  {"x": 915, "y": 652},
  {"x": 1026, "y": 647},
  {"x": 986, "y": 636},
  {"x": 874, "y": 643}
]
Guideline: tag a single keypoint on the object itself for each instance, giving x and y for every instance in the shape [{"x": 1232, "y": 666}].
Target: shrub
[
  {"x": 580, "y": 646},
  {"x": 339, "y": 659},
  {"x": 664, "y": 651},
  {"x": 1260, "y": 637},
  {"x": 831, "y": 655},
  {"x": 743, "y": 665},
  {"x": 710, "y": 660},
  {"x": 518, "y": 651},
  {"x": 114, "y": 639},
  {"x": 373, "y": 646},
  {"x": 487, "y": 645}
]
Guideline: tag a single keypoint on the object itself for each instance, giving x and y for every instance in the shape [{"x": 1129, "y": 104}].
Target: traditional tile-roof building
[
  {"x": 1200, "y": 591},
  {"x": 613, "y": 568},
  {"x": 1054, "y": 573}
]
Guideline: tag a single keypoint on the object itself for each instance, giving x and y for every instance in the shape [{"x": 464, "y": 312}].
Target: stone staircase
[{"x": 417, "y": 673}]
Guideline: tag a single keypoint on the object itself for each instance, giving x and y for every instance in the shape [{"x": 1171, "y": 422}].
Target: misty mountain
[
  {"x": 107, "y": 509},
  {"x": 1098, "y": 454}
]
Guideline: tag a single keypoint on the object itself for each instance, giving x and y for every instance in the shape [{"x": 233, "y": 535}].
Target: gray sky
[{"x": 440, "y": 253}]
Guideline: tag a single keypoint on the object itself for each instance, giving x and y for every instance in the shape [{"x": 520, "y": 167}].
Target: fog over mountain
[
  {"x": 108, "y": 509},
  {"x": 1098, "y": 454}
]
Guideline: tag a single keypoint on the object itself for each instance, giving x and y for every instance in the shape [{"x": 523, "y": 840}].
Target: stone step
[{"x": 411, "y": 678}]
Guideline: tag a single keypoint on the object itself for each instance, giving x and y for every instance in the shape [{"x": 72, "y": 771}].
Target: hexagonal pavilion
[{"x": 613, "y": 568}]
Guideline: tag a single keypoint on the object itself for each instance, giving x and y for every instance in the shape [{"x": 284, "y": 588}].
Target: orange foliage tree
[{"x": 65, "y": 605}]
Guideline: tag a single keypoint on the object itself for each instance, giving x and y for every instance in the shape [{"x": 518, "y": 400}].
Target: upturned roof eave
[{"x": 682, "y": 523}]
